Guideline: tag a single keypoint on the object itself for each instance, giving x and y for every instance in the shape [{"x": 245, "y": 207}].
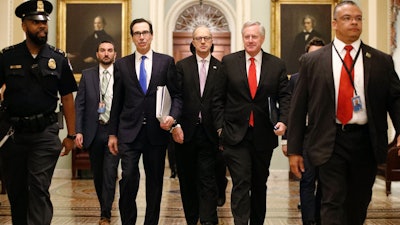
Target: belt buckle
[{"x": 343, "y": 127}]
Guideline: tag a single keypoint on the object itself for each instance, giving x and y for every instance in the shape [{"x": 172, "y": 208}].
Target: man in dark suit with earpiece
[{"x": 346, "y": 90}]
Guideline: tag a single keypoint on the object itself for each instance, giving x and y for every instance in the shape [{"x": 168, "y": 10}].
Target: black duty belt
[{"x": 34, "y": 123}]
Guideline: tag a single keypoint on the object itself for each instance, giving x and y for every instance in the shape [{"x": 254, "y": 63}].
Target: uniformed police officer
[{"x": 34, "y": 73}]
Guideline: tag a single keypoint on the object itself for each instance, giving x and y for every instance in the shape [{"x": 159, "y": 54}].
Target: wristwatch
[
  {"x": 173, "y": 127},
  {"x": 72, "y": 137}
]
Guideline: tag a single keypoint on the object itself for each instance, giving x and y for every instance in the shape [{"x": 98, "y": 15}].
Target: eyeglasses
[
  {"x": 253, "y": 37},
  {"x": 138, "y": 33},
  {"x": 348, "y": 19},
  {"x": 206, "y": 38}
]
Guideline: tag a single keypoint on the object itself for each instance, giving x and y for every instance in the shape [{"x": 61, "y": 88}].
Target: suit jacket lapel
[
  {"x": 212, "y": 68},
  {"x": 241, "y": 65},
  {"x": 264, "y": 70},
  {"x": 154, "y": 72},
  {"x": 132, "y": 67},
  {"x": 367, "y": 57},
  {"x": 327, "y": 71},
  {"x": 95, "y": 81},
  {"x": 195, "y": 74}
]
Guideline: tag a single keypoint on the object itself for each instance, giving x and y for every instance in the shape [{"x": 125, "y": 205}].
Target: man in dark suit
[
  {"x": 241, "y": 114},
  {"x": 196, "y": 136},
  {"x": 93, "y": 105},
  {"x": 134, "y": 128},
  {"x": 345, "y": 145}
]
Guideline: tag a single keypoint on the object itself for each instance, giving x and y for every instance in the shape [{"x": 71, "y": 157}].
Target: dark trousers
[
  {"x": 347, "y": 179},
  {"x": 196, "y": 168},
  {"x": 249, "y": 171},
  {"x": 310, "y": 193},
  {"x": 153, "y": 162},
  {"x": 172, "y": 155},
  {"x": 220, "y": 176},
  {"x": 104, "y": 166},
  {"x": 29, "y": 160}
]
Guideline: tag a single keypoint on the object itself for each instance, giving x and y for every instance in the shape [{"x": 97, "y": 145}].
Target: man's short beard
[
  {"x": 37, "y": 40},
  {"x": 106, "y": 63}
]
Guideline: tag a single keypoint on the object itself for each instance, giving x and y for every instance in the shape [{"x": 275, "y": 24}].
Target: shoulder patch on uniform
[
  {"x": 7, "y": 48},
  {"x": 59, "y": 51}
]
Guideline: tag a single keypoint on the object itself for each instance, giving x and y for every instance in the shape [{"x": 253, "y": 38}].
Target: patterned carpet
[{"x": 75, "y": 202}]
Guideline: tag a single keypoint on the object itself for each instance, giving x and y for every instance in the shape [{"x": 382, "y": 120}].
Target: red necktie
[
  {"x": 344, "y": 106},
  {"x": 253, "y": 86}
]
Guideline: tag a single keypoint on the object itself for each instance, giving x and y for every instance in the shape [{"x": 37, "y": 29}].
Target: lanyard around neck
[{"x": 349, "y": 70}]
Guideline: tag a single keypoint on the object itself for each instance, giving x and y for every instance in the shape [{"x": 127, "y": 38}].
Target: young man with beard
[
  {"x": 34, "y": 73},
  {"x": 93, "y": 105}
]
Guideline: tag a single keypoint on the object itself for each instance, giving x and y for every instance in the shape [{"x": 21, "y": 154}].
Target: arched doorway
[{"x": 202, "y": 14}]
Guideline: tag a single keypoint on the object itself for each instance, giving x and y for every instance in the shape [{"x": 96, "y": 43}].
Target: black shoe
[
  {"x": 173, "y": 174},
  {"x": 192, "y": 223},
  {"x": 221, "y": 201},
  {"x": 208, "y": 223}
]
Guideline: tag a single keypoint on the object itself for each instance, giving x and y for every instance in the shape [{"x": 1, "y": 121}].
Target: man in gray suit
[
  {"x": 241, "y": 114},
  {"x": 344, "y": 143},
  {"x": 92, "y": 105},
  {"x": 134, "y": 129}
]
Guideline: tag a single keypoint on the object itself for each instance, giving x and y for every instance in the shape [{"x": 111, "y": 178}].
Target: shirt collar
[
  {"x": 257, "y": 57},
  {"x": 340, "y": 44},
  {"x": 149, "y": 55},
  {"x": 206, "y": 58},
  {"x": 110, "y": 69}
]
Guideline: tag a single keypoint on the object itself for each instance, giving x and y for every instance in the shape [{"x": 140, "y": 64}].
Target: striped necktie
[{"x": 106, "y": 97}]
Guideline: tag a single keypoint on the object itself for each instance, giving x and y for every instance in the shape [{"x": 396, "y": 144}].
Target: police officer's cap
[{"x": 34, "y": 10}]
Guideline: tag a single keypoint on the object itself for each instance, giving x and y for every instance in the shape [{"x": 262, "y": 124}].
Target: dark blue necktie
[{"x": 143, "y": 75}]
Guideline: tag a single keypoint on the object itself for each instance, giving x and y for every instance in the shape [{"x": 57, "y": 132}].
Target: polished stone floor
[{"x": 75, "y": 203}]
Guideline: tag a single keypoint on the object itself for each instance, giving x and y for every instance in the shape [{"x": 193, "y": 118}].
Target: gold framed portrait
[
  {"x": 294, "y": 23},
  {"x": 83, "y": 24}
]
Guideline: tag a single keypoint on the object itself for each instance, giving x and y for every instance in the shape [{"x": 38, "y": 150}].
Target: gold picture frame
[
  {"x": 75, "y": 25},
  {"x": 287, "y": 18}
]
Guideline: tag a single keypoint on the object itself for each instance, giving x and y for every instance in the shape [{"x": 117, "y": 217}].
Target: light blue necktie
[{"x": 143, "y": 75}]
